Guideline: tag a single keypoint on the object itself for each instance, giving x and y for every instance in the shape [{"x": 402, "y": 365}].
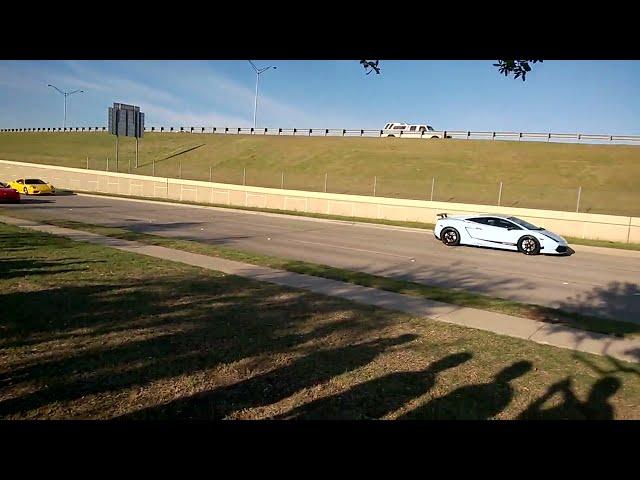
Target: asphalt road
[{"x": 588, "y": 282}]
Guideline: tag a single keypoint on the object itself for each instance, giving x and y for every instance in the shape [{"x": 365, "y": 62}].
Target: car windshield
[
  {"x": 527, "y": 225},
  {"x": 430, "y": 128},
  {"x": 33, "y": 181}
]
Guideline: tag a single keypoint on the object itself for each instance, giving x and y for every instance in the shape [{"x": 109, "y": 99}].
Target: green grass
[
  {"x": 534, "y": 175},
  {"x": 453, "y": 296},
  {"x": 92, "y": 332}
]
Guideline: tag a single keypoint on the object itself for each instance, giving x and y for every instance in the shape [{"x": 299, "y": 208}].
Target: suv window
[
  {"x": 412, "y": 128},
  {"x": 423, "y": 129},
  {"x": 399, "y": 127},
  {"x": 430, "y": 128}
]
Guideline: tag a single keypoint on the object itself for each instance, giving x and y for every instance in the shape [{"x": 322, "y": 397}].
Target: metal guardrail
[{"x": 341, "y": 132}]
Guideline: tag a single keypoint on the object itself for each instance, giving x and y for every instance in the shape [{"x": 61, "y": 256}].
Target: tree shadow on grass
[
  {"x": 363, "y": 401},
  {"x": 273, "y": 386},
  {"x": 474, "y": 402},
  {"x": 169, "y": 328},
  {"x": 596, "y": 407},
  {"x": 24, "y": 267}
]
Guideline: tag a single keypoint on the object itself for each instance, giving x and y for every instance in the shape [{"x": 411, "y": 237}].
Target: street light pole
[
  {"x": 255, "y": 105},
  {"x": 65, "y": 94},
  {"x": 258, "y": 72}
]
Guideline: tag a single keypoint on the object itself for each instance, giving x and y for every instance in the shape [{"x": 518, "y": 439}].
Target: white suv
[{"x": 401, "y": 129}]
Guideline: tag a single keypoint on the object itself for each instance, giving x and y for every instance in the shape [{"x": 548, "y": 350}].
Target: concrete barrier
[{"x": 582, "y": 225}]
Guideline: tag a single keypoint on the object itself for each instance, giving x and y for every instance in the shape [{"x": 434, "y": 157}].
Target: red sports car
[{"x": 8, "y": 194}]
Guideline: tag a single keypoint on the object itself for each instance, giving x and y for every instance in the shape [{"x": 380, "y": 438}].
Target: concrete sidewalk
[{"x": 539, "y": 332}]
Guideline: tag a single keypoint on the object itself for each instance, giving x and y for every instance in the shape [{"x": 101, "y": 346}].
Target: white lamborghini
[{"x": 496, "y": 231}]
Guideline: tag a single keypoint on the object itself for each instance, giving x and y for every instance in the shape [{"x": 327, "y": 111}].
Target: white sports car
[{"x": 497, "y": 231}]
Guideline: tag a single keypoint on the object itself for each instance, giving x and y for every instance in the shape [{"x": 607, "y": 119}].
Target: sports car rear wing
[{"x": 441, "y": 215}]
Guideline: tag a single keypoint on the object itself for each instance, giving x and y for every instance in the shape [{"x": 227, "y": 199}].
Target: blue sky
[{"x": 558, "y": 96}]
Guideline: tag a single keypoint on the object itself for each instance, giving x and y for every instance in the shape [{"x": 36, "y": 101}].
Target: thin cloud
[{"x": 167, "y": 117}]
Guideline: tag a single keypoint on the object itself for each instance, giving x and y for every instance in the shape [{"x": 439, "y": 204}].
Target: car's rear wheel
[
  {"x": 529, "y": 245},
  {"x": 450, "y": 237},
  {"x": 435, "y": 136}
]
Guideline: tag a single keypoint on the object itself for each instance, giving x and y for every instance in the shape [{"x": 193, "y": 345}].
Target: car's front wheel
[
  {"x": 529, "y": 245},
  {"x": 450, "y": 237}
]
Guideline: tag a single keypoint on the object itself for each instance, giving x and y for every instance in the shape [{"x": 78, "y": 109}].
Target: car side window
[
  {"x": 482, "y": 220},
  {"x": 499, "y": 222},
  {"x": 508, "y": 224},
  {"x": 412, "y": 128}
]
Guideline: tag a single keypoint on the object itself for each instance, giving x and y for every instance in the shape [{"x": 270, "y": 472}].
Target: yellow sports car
[{"x": 32, "y": 186}]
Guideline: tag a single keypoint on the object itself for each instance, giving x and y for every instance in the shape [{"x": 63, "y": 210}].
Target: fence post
[
  {"x": 210, "y": 174},
  {"x": 578, "y": 204},
  {"x": 433, "y": 186},
  {"x": 153, "y": 167},
  {"x": 375, "y": 184},
  {"x": 500, "y": 194},
  {"x": 87, "y": 163},
  {"x": 180, "y": 170},
  {"x": 325, "y": 182},
  {"x": 107, "y": 164},
  {"x": 282, "y": 181},
  {"x": 244, "y": 175}
]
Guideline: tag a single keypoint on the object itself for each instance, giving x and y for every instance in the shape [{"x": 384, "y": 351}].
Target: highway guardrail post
[{"x": 578, "y": 204}]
